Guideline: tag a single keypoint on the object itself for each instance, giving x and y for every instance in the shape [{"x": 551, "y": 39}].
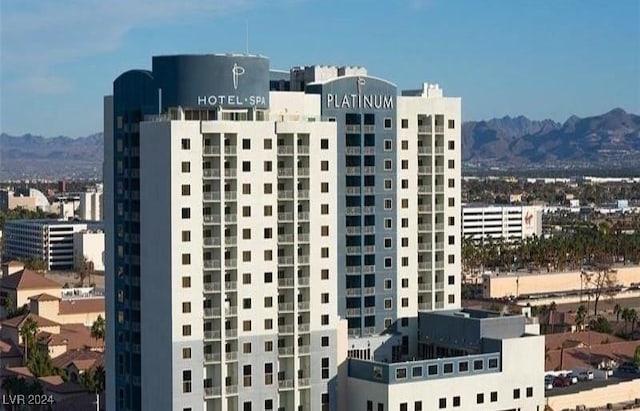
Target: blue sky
[{"x": 543, "y": 59}]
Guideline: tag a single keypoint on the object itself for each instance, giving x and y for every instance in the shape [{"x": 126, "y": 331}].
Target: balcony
[
  {"x": 303, "y": 216},
  {"x": 211, "y": 172},
  {"x": 352, "y": 171},
  {"x": 212, "y": 287},
  {"x": 369, "y": 291},
  {"x": 303, "y": 306},
  {"x": 424, "y": 170},
  {"x": 369, "y": 249},
  {"x": 369, "y": 170},
  {"x": 286, "y": 216},
  {"x": 285, "y": 150},
  {"x": 425, "y": 189},
  {"x": 369, "y": 190},
  {"x": 353, "y": 270},
  {"x": 303, "y": 194},
  {"x": 230, "y": 150},
  {"x": 367, "y": 269},
  {"x": 304, "y": 350},
  {"x": 439, "y": 169},
  {"x": 352, "y": 190},
  {"x": 424, "y": 266},
  {"x": 231, "y": 389},
  {"x": 424, "y": 228},
  {"x": 212, "y": 312},
  {"x": 368, "y": 210},
  {"x": 369, "y": 128},
  {"x": 230, "y": 263},
  {"x": 211, "y": 150},
  {"x": 285, "y": 282},
  {"x": 425, "y": 246},
  {"x": 353, "y": 250},
  {"x": 369, "y": 310},
  {"x": 439, "y": 150},
  {"x": 303, "y": 172},
  {"x": 424, "y": 306},
  {"x": 284, "y": 261},
  {"x": 424, "y": 286},
  {"x": 230, "y": 195},
  {"x": 304, "y": 382},
  {"x": 424, "y": 150},
  {"x": 211, "y": 358},
  {"x": 439, "y": 129},
  {"x": 303, "y": 259},
  {"x": 369, "y": 229},
  {"x": 212, "y": 218},
  {"x": 352, "y": 151},
  {"x": 229, "y": 172},
  {"x": 439, "y": 226},
  {"x": 231, "y": 285},
  {"x": 285, "y": 194},
  {"x": 212, "y": 264},
  {"x": 232, "y": 239},
  {"x": 285, "y": 172},
  {"x": 212, "y": 392},
  {"x": 424, "y": 208},
  {"x": 211, "y": 241},
  {"x": 352, "y": 230},
  {"x": 303, "y": 281},
  {"x": 231, "y": 357},
  {"x": 285, "y": 307},
  {"x": 303, "y": 328},
  {"x": 211, "y": 335},
  {"x": 440, "y": 188},
  {"x": 303, "y": 238},
  {"x": 352, "y": 129},
  {"x": 303, "y": 149},
  {"x": 231, "y": 332},
  {"x": 285, "y": 351},
  {"x": 285, "y": 238},
  {"x": 424, "y": 129},
  {"x": 211, "y": 196},
  {"x": 368, "y": 151},
  {"x": 285, "y": 384},
  {"x": 286, "y": 329},
  {"x": 352, "y": 211},
  {"x": 352, "y": 312}
]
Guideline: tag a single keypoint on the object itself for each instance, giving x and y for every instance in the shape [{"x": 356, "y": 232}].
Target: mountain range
[{"x": 609, "y": 140}]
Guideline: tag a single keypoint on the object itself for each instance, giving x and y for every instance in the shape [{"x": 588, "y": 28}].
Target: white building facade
[
  {"x": 261, "y": 226},
  {"x": 89, "y": 245},
  {"x": 506, "y": 222},
  {"x": 49, "y": 240}
]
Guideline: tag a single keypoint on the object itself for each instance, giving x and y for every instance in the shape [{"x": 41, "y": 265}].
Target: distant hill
[
  {"x": 611, "y": 139},
  {"x": 604, "y": 141}
]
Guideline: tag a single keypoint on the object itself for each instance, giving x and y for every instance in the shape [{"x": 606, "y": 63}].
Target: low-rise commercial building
[{"x": 508, "y": 222}]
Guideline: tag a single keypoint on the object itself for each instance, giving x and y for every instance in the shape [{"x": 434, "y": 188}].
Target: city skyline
[{"x": 59, "y": 61}]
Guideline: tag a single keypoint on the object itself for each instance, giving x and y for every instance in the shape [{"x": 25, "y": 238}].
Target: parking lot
[{"x": 587, "y": 385}]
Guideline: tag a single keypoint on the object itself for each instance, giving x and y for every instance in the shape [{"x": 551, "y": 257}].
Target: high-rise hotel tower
[{"x": 263, "y": 225}]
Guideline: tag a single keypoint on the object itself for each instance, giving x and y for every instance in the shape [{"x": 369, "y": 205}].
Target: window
[
  {"x": 324, "y": 319},
  {"x": 387, "y": 283},
  {"x": 477, "y": 365},
  {"x": 405, "y": 223},
  {"x": 324, "y": 298},
  {"x": 417, "y": 406},
  {"x": 186, "y": 353},
  {"x": 186, "y": 236},
  {"x": 324, "y": 165},
  {"x": 246, "y": 233},
  {"x": 369, "y": 405},
  {"x": 416, "y": 372},
  {"x": 405, "y": 164},
  {"x": 246, "y": 278},
  {"x": 246, "y": 144},
  {"x": 268, "y": 211},
  {"x": 403, "y": 406},
  {"x": 388, "y": 184},
  {"x": 388, "y": 145},
  {"x": 186, "y": 381},
  {"x": 451, "y": 299},
  {"x": 246, "y": 303},
  {"x": 186, "y": 144},
  {"x": 324, "y": 187},
  {"x": 401, "y": 373},
  {"x": 246, "y": 189},
  {"x": 324, "y": 231},
  {"x": 268, "y": 255},
  {"x": 387, "y": 242},
  {"x": 186, "y": 330},
  {"x": 463, "y": 366},
  {"x": 324, "y": 341},
  {"x": 267, "y": 144},
  {"x": 268, "y": 188},
  {"x": 494, "y": 396},
  {"x": 452, "y": 240},
  {"x": 388, "y": 262},
  {"x": 452, "y": 123},
  {"x": 493, "y": 363},
  {"x": 405, "y": 123},
  {"x": 324, "y": 209},
  {"x": 451, "y": 144},
  {"x": 325, "y": 367},
  {"x": 405, "y": 241},
  {"x": 452, "y": 202},
  {"x": 452, "y": 221},
  {"x": 268, "y": 166},
  {"x": 186, "y": 282},
  {"x": 186, "y": 213},
  {"x": 405, "y": 302},
  {"x": 451, "y": 164},
  {"x": 405, "y": 183},
  {"x": 246, "y": 325},
  {"x": 432, "y": 369},
  {"x": 480, "y": 398},
  {"x": 246, "y": 406},
  {"x": 380, "y": 406},
  {"x": 324, "y": 144},
  {"x": 186, "y": 167},
  {"x": 405, "y": 203},
  {"x": 186, "y": 190},
  {"x": 516, "y": 393},
  {"x": 268, "y": 404},
  {"x": 324, "y": 274},
  {"x": 447, "y": 368},
  {"x": 246, "y": 374},
  {"x": 268, "y": 324},
  {"x": 246, "y": 166},
  {"x": 268, "y": 346},
  {"x": 246, "y": 256},
  {"x": 268, "y": 277},
  {"x": 451, "y": 280},
  {"x": 388, "y": 303},
  {"x": 186, "y": 259},
  {"x": 452, "y": 183},
  {"x": 268, "y": 233},
  {"x": 268, "y": 302},
  {"x": 388, "y": 204},
  {"x": 529, "y": 392},
  {"x": 405, "y": 283},
  {"x": 451, "y": 258},
  {"x": 324, "y": 252},
  {"x": 442, "y": 403},
  {"x": 388, "y": 223},
  {"x": 388, "y": 165},
  {"x": 387, "y": 123},
  {"x": 186, "y": 307},
  {"x": 456, "y": 401}
]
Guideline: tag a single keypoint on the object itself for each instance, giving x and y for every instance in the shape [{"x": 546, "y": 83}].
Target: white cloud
[{"x": 44, "y": 84}]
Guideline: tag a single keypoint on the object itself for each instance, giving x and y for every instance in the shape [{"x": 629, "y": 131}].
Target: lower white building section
[
  {"x": 501, "y": 222},
  {"x": 474, "y": 360},
  {"x": 231, "y": 259}
]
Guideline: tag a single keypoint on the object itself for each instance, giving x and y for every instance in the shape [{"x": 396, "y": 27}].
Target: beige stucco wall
[
  {"x": 505, "y": 285},
  {"x": 46, "y": 309},
  {"x": 22, "y": 296},
  {"x": 598, "y": 397},
  {"x": 85, "y": 318}
]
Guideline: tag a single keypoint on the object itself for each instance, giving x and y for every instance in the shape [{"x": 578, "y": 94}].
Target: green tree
[
  {"x": 636, "y": 355},
  {"x": 84, "y": 269},
  {"x": 28, "y": 332},
  {"x": 98, "y": 328},
  {"x": 600, "y": 324},
  {"x": 93, "y": 379},
  {"x": 581, "y": 315},
  {"x": 617, "y": 310},
  {"x": 35, "y": 264}
]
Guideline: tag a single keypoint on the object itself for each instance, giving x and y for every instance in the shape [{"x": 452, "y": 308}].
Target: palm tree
[
  {"x": 626, "y": 317},
  {"x": 28, "y": 332},
  {"x": 633, "y": 317},
  {"x": 617, "y": 310},
  {"x": 98, "y": 328},
  {"x": 581, "y": 315},
  {"x": 552, "y": 309}
]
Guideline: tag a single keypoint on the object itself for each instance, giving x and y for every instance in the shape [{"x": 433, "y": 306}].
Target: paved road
[{"x": 587, "y": 385}]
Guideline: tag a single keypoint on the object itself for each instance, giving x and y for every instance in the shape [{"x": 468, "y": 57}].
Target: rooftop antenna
[{"x": 246, "y": 22}]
